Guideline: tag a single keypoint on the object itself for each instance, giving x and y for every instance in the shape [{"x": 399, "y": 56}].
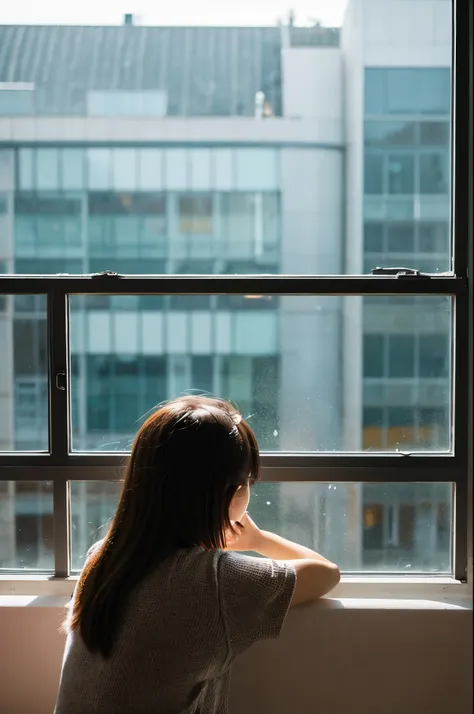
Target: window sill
[
  {"x": 352, "y": 592},
  {"x": 373, "y": 603}
]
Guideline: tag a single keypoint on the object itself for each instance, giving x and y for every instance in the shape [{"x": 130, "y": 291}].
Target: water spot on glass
[
  {"x": 330, "y": 486},
  {"x": 269, "y": 503},
  {"x": 275, "y": 433},
  {"x": 407, "y": 566},
  {"x": 335, "y": 488}
]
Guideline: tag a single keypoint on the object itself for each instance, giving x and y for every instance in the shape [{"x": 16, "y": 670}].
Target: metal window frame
[{"x": 61, "y": 466}]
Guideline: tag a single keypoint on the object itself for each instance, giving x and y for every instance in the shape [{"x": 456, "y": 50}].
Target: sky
[{"x": 176, "y": 12}]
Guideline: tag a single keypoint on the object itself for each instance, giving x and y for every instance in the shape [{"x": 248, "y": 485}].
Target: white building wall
[
  {"x": 377, "y": 33},
  {"x": 312, "y": 87},
  {"x": 312, "y": 227}
]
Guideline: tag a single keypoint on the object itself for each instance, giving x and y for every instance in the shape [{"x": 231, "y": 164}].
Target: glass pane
[
  {"x": 26, "y": 525},
  {"x": 390, "y": 133},
  {"x": 401, "y": 173},
  {"x": 72, "y": 169},
  {"x": 403, "y": 528},
  {"x": 373, "y": 174},
  {"x": 278, "y": 163},
  {"x": 47, "y": 169},
  {"x": 23, "y": 373},
  {"x": 265, "y": 353},
  {"x": 434, "y": 173}
]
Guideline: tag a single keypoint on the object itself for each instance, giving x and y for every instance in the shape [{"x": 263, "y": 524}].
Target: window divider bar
[
  {"x": 58, "y": 375},
  {"x": 460, "y": 529},
  {"x": 461, "y": 133},
  {"x": 337, "y": 285},
  {"x": 61, "y": 509},
  {"x": 402, "y": 472}
]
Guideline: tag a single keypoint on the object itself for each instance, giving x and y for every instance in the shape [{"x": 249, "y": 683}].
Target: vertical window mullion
[
  {"x": 59, "y": 422},
  {"x": 62, "y": 520}
]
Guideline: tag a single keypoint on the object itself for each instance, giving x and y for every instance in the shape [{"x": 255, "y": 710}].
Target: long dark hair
[{"x": 187, "y": 461}]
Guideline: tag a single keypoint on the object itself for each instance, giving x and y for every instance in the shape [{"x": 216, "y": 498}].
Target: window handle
[
  {"x": 406, "y": 273},
  {"x": 60, "y": 380},
  {"x": 106, "y": 274}
]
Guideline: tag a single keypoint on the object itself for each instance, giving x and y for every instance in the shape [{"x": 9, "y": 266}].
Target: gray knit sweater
[{"x": 182, "y": 629}]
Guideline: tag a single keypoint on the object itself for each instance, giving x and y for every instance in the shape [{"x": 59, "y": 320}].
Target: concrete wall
[
  {"x": 406, "y": 33},
  {"x": 312, "y": 86},
  {"x": 340, "y": 658}
]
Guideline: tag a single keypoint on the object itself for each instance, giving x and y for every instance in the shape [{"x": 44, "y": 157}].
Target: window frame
[{"x": 61, "y": 466}]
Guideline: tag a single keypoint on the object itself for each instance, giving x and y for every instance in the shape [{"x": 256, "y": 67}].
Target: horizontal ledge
[
  {"x": 285, "y": 285},
  {"x": 370, "y": 588},
  {"x": 401, "y": 472}
]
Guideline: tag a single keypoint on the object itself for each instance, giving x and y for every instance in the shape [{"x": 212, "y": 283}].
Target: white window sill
[
  {"x": 60, "y": 601},
  {"x": 352, "y": 592}
]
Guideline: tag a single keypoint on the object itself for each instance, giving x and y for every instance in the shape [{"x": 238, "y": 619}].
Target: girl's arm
[{"x": 315, "y": 575}]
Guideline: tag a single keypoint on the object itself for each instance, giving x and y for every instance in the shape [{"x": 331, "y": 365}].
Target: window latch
[
  {"x": 106, "y": 274},
  {"x": 60, "y": 380},
  {"x": 400, "y": 272}
]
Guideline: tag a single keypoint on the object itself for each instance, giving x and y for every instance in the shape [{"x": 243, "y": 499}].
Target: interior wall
[{"x": 335, "y": 660}]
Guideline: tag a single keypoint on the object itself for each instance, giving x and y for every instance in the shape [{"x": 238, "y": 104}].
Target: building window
[
  {"x": 408, "y": 90},
  {"x": 127, "y": 104},
  {"x": 195, "y": 215}
]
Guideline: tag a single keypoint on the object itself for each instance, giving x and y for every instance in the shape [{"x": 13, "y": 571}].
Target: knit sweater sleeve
[{"x": 255, "y": 594}]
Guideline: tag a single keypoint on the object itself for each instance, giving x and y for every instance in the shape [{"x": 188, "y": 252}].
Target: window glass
[
  {"x": 373, "y": 237},
  {"x": 403, "y": 87},
  {"x": 390, "y": 133},
  {"x": 47, "y": 227},
  {"x": 24, "y": 375},
  {"x": 374, "y": 358},
  {"x": 127, "y": 104},
  {"x": 401, "y": 356},
  {"x": 267, "y": 358},
  {"x": 407, "y": 90},
  {"x": 434, "y": 173},
  {"x": 150, "y": 169},
  {"x": 99, "y": 168},
  {"x": 176, "y": 169},
  {"x": 434, "y": 356},
  {"x": 401, "y": 173},
  {"x": 256, "y": 169},
  {"x": 17, "y": 102},
  {"x": 362, "y": 527},
  {"x": 435, "y": 133},
  {"x": 72, "y": 167},
  {"x": 200, "y": 169},
  {"x": 373, "y": 174},
  {"x": 26, "y": 169},
  {"x": 401, "y": 237},
  {"x": 195, "y": 214},
  {"x": 47, "y": 169},
  {"x": 238, "y": 225},
  {"x": 27, "y": 526},
  {"x": 124, "y": 172},
  {"x": 434, "y": 237}
]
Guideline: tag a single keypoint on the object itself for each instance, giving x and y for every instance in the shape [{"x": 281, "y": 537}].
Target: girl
[{"x": 163, "y": 605}]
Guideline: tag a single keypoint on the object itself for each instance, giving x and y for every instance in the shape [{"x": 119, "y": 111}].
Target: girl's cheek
[{"x": 239, "y": 503}]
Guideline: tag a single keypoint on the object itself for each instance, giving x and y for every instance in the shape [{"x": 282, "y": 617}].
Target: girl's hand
[{"x": 246, "y": 535}]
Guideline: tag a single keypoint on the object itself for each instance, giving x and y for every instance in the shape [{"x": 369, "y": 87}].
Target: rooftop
[{"x": 203, "y": 71}]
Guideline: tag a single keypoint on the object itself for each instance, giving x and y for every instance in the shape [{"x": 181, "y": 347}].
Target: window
[
  {"x": 373, "y": 174},
  {"x": 17, "y": 99},
  {"x": 407, "y": 90},
  {"x": 434, "y": 173},
  {"x": 195, "y": 215},
  {"x": 244, "y": 247},
  {"x": 401, "y": 173},
  {"x": 127, "y": 104}
]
